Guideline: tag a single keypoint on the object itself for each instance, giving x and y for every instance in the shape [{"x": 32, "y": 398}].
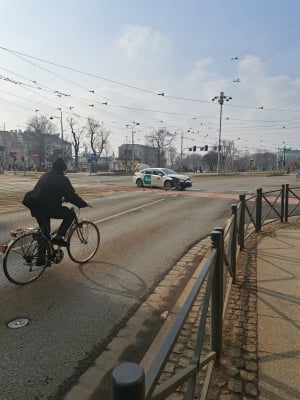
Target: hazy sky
[{"x": 77, "y": 55}]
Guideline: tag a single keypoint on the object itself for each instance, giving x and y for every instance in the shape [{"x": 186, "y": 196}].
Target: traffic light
[
  {"x": 206, "y": 147},
  {"x": 194, "y": 148}
]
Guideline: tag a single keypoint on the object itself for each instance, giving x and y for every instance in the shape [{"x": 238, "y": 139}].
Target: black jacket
[{"x": 49, "y": 192}]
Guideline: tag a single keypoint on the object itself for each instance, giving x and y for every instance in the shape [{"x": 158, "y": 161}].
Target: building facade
[
  {"x": 29, "y": 150},
  {"x": 130, "y": 154}
]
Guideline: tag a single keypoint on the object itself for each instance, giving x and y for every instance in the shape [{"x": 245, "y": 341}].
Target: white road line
[{"x": 127, "y": 212}]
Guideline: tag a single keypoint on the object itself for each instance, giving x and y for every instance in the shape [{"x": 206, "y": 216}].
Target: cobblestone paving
[{"x": 236, "y": 378}]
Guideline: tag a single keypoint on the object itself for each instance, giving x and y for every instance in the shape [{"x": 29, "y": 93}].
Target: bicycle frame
[
  {"x": 18, "y": 232},
  {"x": 30, "y": 252}
]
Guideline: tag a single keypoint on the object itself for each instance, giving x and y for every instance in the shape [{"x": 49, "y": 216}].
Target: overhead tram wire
[
  {"x": 52, "y": 91},
  {"x": 71, "y": 83},
  {"x": 58, "y": 76},
  {"x": 131, "y": 86},
  {"x": 14, "y": 52},
  {"x": 280, "y": 47},
  {"x": 265, "y": 40},
  {"x": 16, "y": 105},
  {"x": 74, "y": 83},
  {"x": 38, "y": 94},
  {"x": 19, "y": 54},
  {"x": 79, "y": 101},
  {"x": 43, "y": 87}
]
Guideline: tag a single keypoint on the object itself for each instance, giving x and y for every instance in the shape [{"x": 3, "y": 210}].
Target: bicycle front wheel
[
  {"x": 83, "y": 240},
  {"x": 26, "y": 258}
]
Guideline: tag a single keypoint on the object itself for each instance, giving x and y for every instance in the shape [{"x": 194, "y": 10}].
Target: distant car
[
  {"x": 161, "y": 177},
  {"x": 298, "y": 174}
]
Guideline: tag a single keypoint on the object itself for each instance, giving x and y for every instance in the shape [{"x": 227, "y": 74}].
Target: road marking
[
  {"x": 128, "y": 211},
  {"x": 194, "y": 193},
  {"x": 217, "y": 195}
]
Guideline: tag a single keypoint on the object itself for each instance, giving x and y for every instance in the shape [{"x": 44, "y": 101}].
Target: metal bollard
[
  {"x": 258, "y": 210},
  {"x": 286, "y": 203},
  {"x": 216, "y": 297},
  {"x": 128, "y": 382},
  {"x": 242, "y": 221},
  {"x": 282, "y": 208},
  {"x": 234, "y": 241}
]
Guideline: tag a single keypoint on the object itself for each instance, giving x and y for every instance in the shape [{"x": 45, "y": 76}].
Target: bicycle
[{"x": 20, "y": 255}]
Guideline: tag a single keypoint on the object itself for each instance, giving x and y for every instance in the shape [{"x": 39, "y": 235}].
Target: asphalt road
[{"x": 74, "y": 310}]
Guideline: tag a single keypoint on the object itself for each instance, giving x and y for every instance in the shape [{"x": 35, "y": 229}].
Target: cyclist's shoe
[
  {"x": 59, "y": 241},
  {"x": 40, "y": 262}
]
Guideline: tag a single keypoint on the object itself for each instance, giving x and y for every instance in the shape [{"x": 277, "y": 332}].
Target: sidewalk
[
  {"x": 278, "y": 292},
  {"x": 261, "y": 348}
]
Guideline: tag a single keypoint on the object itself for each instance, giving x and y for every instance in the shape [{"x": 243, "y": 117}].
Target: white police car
[{"x": 161, "y": 177}]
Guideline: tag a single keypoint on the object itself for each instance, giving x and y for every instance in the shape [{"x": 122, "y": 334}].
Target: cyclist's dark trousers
[{"x": 66, "y": 214}]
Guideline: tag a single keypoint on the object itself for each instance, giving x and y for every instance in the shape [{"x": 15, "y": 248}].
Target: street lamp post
[
  {"x": 181, "y": 151},
  {"x": 181, "y": 148},
  {"x": 62, "y": 131},
  {"x": 132, "y": 142},
  {"x": 220, "y": 99}
]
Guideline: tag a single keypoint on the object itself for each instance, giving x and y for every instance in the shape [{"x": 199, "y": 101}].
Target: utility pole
[
  {"x": 62, "y": 133},
  {"x": 4, "y": 147},
  {"x": 132, "y": 142},
  {"x": 61, "y": 130},
  {"x": 220, "y": 99},
  {"x": 2, "y": 151},
  {"x": 181, "y": 151}
]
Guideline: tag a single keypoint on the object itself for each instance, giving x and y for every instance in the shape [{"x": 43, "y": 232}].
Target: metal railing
[
  {"x": 129, "y": 380},
  {"x": 292, "y": 202}
]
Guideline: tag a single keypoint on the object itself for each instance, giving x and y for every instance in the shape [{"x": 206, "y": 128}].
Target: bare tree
[
  {"x": 265, "y": 161},
  {"x": 98, "y": 136},
  {"x": 211, "y": 159},
  {"x": 228, "y": 154},
  {"x": 77, "y": 135},
  {"x": 160, "y": 141},
  {"x": 40, "y": 126},
  {"x": 172, "y": 155}
]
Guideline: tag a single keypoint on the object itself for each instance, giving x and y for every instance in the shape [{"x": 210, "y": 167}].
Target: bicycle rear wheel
[
  {"x": 84, "y": 240},
  {"x": 26, "y": 258}
]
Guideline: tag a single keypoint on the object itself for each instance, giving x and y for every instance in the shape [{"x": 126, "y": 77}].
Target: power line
[{"x": 14, "y": 52}]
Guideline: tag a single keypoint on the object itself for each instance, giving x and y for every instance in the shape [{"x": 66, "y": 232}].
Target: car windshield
[{"x": 168, "y": 171}]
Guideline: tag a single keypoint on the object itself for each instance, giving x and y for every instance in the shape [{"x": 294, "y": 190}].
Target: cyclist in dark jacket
[{"x": 46, "y": 198}]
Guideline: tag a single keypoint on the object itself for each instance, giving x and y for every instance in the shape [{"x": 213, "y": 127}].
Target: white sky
[{"x": 129, "y": 51}]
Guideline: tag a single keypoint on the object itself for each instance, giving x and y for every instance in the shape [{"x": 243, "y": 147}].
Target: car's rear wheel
[
  {"x": 139, "y": 183},
  {"x": 168, "y": 185}
]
